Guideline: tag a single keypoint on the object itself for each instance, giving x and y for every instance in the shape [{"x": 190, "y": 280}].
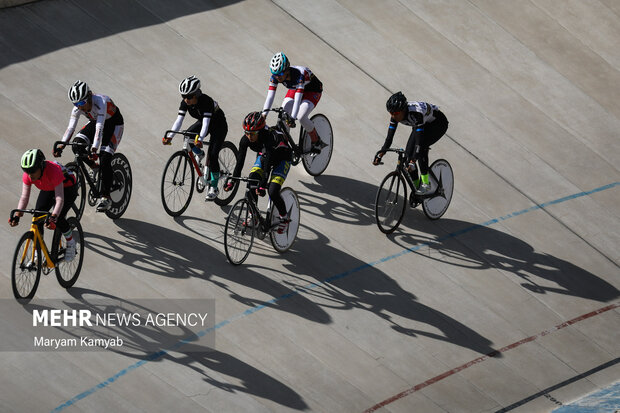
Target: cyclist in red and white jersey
[
  {"x": 103, "y": 132},
  {"x": 304, "y": 93},
  {"x": 57, "y": 188}
]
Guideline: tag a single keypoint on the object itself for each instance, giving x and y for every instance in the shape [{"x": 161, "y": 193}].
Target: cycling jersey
[
  {"x": 271, "y": 143},
  {"x": 53, "y": 174},
  {"x": 301, "y": 80},
  {"x": 206, "y": 110},
  {"x": 418, "y": 114},
  {"x": 103, "y": 111}
]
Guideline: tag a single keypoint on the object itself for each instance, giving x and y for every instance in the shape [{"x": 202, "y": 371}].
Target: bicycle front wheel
[
  {"x": 67, "y": 272},
  {"x": 80, "y": 202},
  {"x": 282, "y": 242},
  {"x": 239, "y": 232},
  {"x": 316, "y": 163},
  {"x": 228, "y": 161},
  {"x": 120, "y": 193},
  {"x": 26, "y": 270},
  {"x": 442, "y": 178},
  {"x": 390, "y": 202},
  {"x": 177, "y": 184}
]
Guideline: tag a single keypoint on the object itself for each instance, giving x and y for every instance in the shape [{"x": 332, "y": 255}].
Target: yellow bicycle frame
[{"x": 37, "y": 239}]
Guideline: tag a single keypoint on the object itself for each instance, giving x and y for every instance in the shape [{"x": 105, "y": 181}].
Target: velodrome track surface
[{"x": 507, "y": 303}]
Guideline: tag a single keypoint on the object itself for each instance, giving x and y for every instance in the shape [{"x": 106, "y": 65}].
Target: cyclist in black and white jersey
[
  {"x": 210, "y": 120},
  {"x": 304, "y": 93},
  {"x": 103, "y": 132},
  {"x": 429, "y": 124}
]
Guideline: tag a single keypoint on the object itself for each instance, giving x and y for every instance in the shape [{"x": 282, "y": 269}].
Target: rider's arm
[
  {"x": 207, "y": 108},
  {"x": 59, "y": 193},
  {"x": 24, "y": 198},
  {"x": 98, "y": 131},
  {"x": 299, "y": 93},
  {"x": 73, "y": 120},
  {"x": 390, "y": 135},
  {"x": 271, "y": 93},
  {"x": 177, "y": 123}
]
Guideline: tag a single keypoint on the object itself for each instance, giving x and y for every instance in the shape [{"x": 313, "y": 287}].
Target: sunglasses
[
  {"x": 251, "y": 132},
  {"x": 80, "y": 103},
  {"x": 188, "y": 97}
]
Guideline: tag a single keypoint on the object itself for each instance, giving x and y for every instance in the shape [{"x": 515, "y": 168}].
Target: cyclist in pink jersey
[
  {"x": 304, "y": 93},
  {"x": 103, "y": 132},
  {"x": 57, "y": 189}
]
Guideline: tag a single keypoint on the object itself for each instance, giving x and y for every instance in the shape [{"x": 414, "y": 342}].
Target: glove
[
  {"x": 261, "y": 191},
  {"x": 198, "y": 142},
  {"x": 93, "y": 154},
  {"x": 290, "y": 122},
  {"x": 166, "y": 141},
  {"x": 378, "y": 157},
  {"x": 13, "y": 222},
  {"x": 228, "y": 186},
  {"x": 50, "y": 222},
  {"x": 58, "y": 152}
]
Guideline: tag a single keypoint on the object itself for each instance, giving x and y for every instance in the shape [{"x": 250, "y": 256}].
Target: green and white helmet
[{"x": 32, "y": 160}]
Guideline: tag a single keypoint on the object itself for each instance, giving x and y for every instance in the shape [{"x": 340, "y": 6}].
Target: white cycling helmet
[
  {"x": 279, "y": 63},
  {"x": 189, "y": 85},
  {"x": 78, "y": 92}
]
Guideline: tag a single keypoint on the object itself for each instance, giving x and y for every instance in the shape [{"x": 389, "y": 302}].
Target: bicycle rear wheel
[
  {"x": 177, "y": 183},
  {"x": 26, "y": 271},
  {"x": 67, "y": 272},
  {"x": 80, "y": 202},
  {"x": 282, "y": 242},
  {"x": 316, "y": 163},
  {"x": 390, "y": 202},
  {"x": 120, "y": 193},
  {"x": 442, "y": 178},
  {"x": 228, "y": 161},
  {"x": 239, "y": 232}
]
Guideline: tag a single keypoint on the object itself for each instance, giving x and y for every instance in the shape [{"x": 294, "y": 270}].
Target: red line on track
[{"x": 487, "y": 356}]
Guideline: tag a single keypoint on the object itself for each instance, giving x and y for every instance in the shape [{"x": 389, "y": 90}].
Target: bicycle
[
  {"x": 120, "y": 191},
  {"x": 391, "y": 197},
  {"x": 181, "y": 170},
  {"x": 315, "y": 162},
  {"x": 33, "y": 256},
  {"x": 245, "y": 221}
]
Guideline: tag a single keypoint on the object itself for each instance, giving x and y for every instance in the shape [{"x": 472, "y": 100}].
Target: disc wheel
[
  {"x": 120, "y": 193},
  {"x": 316, "y": 163},
  {"x": 437, "y": 205},
  {"x": 177, "y": 184},
  {"x": 390, "y": 202}
]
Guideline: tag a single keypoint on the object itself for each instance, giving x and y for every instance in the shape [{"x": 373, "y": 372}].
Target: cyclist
[
  {"x": 210, "y": 120},
  {"x": 103, "y": 132},
  {"x": 57, "y": 188},
  {"x": 429, "y": 125},
  {"x": 304, "y": 93},
  {"x": 274, "y": 154}
]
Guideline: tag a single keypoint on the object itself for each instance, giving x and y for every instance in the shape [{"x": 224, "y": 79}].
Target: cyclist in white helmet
[
  {"x": 103, "y": 132},
  {"x": 210, "y": 120},
  {"x": 304, "y": 93}
]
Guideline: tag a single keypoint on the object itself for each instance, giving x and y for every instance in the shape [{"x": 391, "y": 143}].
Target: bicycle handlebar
[{"x": 57, "y": 143}]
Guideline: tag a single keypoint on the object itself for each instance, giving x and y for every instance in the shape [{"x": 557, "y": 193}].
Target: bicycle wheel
[
  {"x": 282, "y": 242},
  {"x": 67, "y": 272},
  {"x": 26, "y": 270},
  {"x": 80, "y": 202},
  {"x": 177, "y": 183},
  {"x": 441, "y": 178},
  {"x": 390, "y": 202},
  {"x": 120, "y": 193},
  {"x": 316, "y": 163},
  {"x": 239, "y": 232},
  {"x": 228, "y": 161}
]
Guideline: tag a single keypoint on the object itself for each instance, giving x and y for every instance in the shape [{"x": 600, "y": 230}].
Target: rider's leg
[
  {"x": 45, "y": 201},
  {"x": 112, "y": 135},
  {"x": 215, "y": 145},
  {"x": 85, "y": 136},
  {"x": 433, "y": 131}
]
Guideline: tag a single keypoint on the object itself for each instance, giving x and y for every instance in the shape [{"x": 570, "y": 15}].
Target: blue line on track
[{"x": 311, "y": 286}]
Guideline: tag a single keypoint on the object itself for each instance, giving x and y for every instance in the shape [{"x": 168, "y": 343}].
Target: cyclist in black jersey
[
  {"x": 274, "y": 157},
  {"x": 429, "y": 125},
  {"x": 210, "y": 120}
]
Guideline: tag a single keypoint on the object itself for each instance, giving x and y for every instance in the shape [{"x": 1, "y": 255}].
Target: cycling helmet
[
  {"x": 279, "y": 63},
  {"x": 189, "y": 85},
  {"x": 396, "y": 102},
  {"x": 253, "y": 122},
  {"x": 32, "y": 160},
  {"x": 78, "y": 92}
]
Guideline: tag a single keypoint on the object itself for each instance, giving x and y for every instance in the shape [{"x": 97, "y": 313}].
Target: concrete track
[{"x": 433, "y": 318}]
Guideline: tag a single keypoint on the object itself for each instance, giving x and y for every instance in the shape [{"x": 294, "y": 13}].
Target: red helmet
[{"x": 253, "y": 122}]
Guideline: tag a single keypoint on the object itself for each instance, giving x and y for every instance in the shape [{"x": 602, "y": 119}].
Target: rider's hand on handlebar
[
  {"x": 50, "y": 222},
  {"x": 228, "y": 186},
  {"x": 378, "y": 157},
  {"x": 198, "y": 142},
  {"x": 261, "y": 191},
  {"x": 58, "y": 151},
  {"x": 14, "y": 221},
  {"x": 93, "y": 154},
  {"x": 166, "y": 141}
]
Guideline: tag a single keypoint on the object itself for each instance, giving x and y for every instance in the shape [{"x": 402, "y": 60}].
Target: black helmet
[
  {"x": 396, "y": 102},
  {"x": 254, "y": 121}
]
